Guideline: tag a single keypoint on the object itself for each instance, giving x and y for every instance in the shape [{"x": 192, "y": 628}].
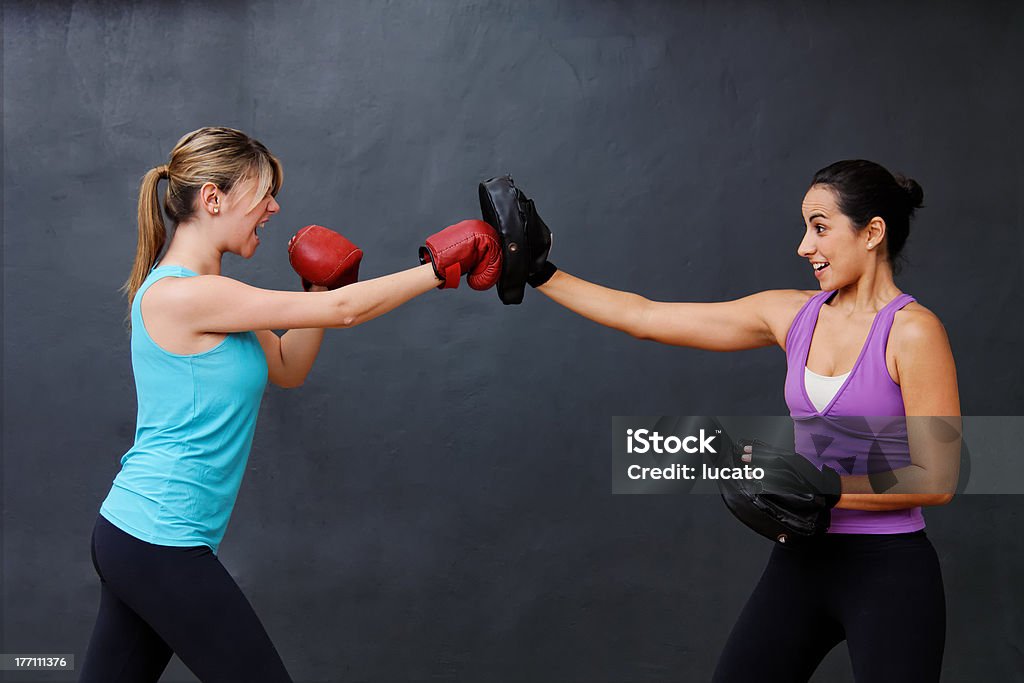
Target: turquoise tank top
[{"x": 196, "y": 419}]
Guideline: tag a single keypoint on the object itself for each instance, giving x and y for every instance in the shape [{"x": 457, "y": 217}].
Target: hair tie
[{"x": 164, "y": 171}]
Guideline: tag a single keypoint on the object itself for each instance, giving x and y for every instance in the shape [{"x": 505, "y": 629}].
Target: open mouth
[
  {"x": 819, "y": 267},
  {"x": 255, "y": 231}
]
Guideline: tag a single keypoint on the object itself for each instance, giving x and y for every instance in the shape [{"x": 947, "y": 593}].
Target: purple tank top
[{"x": 863, "y": 429}]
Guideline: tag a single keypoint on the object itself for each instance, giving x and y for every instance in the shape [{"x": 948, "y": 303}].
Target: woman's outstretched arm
[{"x": 761, "y": 319}]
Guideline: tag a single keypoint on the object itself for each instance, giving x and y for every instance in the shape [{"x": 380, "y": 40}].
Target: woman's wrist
[{"x": 541, "y": 277}]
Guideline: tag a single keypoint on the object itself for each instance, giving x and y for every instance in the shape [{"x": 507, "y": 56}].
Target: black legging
[
  {"x": 157, "y": 600},
  {"x": 881, "y": 593}
]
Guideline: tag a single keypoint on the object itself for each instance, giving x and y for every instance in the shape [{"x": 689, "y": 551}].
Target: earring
[{"x": 216, "y": 210}]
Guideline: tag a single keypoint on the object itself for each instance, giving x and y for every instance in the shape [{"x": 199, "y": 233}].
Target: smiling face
[{"x": 836, "y": 250}]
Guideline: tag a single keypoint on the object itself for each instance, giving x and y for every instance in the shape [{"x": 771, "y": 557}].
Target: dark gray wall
[{"x": 435, "y": 501}]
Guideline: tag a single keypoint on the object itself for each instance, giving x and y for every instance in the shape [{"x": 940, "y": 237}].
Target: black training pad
[{"x": 500, "y": 204}]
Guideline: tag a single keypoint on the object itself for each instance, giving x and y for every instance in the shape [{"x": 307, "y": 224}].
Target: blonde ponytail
[{"x": 152, "y": 232}]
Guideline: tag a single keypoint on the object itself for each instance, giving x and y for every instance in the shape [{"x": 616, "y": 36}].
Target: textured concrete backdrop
[{"x": 435, "y": 502}]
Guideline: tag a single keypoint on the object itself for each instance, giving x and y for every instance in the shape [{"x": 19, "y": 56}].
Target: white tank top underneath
[{"x": 821, "y": 389}]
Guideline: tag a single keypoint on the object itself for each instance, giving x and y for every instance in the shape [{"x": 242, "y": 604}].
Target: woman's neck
[
  {"x": 870, "y": 293},
  {"x": 188, "y": 248}
]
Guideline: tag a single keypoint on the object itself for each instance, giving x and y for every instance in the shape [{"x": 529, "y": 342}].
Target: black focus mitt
[
  {"x": 791, "y": 504},
  {"x": 525, "y": 239}
]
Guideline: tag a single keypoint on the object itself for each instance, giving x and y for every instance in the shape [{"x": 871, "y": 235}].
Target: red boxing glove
[
  {"x": 323, "y": 257},
  {"x": 467, "y": 247}
]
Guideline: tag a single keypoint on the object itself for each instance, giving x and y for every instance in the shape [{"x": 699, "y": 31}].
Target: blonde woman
[{"x": 202, "y": 352}]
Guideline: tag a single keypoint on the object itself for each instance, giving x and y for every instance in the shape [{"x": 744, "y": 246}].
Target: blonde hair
[{"x": 222, "y": 156}]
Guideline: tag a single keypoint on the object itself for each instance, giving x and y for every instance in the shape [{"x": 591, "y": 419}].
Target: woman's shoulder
[
  {"x": 786, "y": 302},
  {"x": 787, "y": 297},
  {"x": 780, "y": 307},
  {"x": 178, "y": 289},
  {"x": 915, "y": 325},
  {"x": 915, "y": 314}
]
